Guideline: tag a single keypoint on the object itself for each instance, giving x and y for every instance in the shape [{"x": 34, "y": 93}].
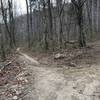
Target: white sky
[{"x": 21, "y": 6}]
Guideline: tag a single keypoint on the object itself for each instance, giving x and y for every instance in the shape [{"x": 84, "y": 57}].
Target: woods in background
[
  {"x": 55, "y": 24},
  {"x": 49, "y": 24}
]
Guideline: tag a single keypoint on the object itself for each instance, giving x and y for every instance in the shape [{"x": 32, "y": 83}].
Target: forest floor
[{"x": 73, "y": 75}]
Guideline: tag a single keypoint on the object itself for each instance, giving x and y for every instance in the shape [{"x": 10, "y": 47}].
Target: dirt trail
[{"x": 61, "y": 84}]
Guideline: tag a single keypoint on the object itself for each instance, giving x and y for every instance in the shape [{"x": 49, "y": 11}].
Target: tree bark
[{"x": 28, "y": 32}]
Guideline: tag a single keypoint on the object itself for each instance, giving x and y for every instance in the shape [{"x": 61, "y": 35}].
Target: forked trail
[{"x": 61, "y": 84}]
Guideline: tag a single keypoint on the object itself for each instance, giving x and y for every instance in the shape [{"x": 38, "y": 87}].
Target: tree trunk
[
  {"x": 28, "y": 32},
  {"x": 50, "y": 20},
  {"x": 82, "y": 40},
  {"x": 3, "y": 55}
]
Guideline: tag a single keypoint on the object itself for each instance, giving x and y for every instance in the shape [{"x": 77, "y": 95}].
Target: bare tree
[
  {"x": 79, "y": 12},
  {"x": 28, "y": 32},
  {"x": 11, "y": 22},
  {"x": 60, "y": 10},
  {"x": 3, "y": 54},
  {"x": 9, "y": 26},
  {"x": 45, "y": 24},
  {"x": 50, "y": 20}
]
